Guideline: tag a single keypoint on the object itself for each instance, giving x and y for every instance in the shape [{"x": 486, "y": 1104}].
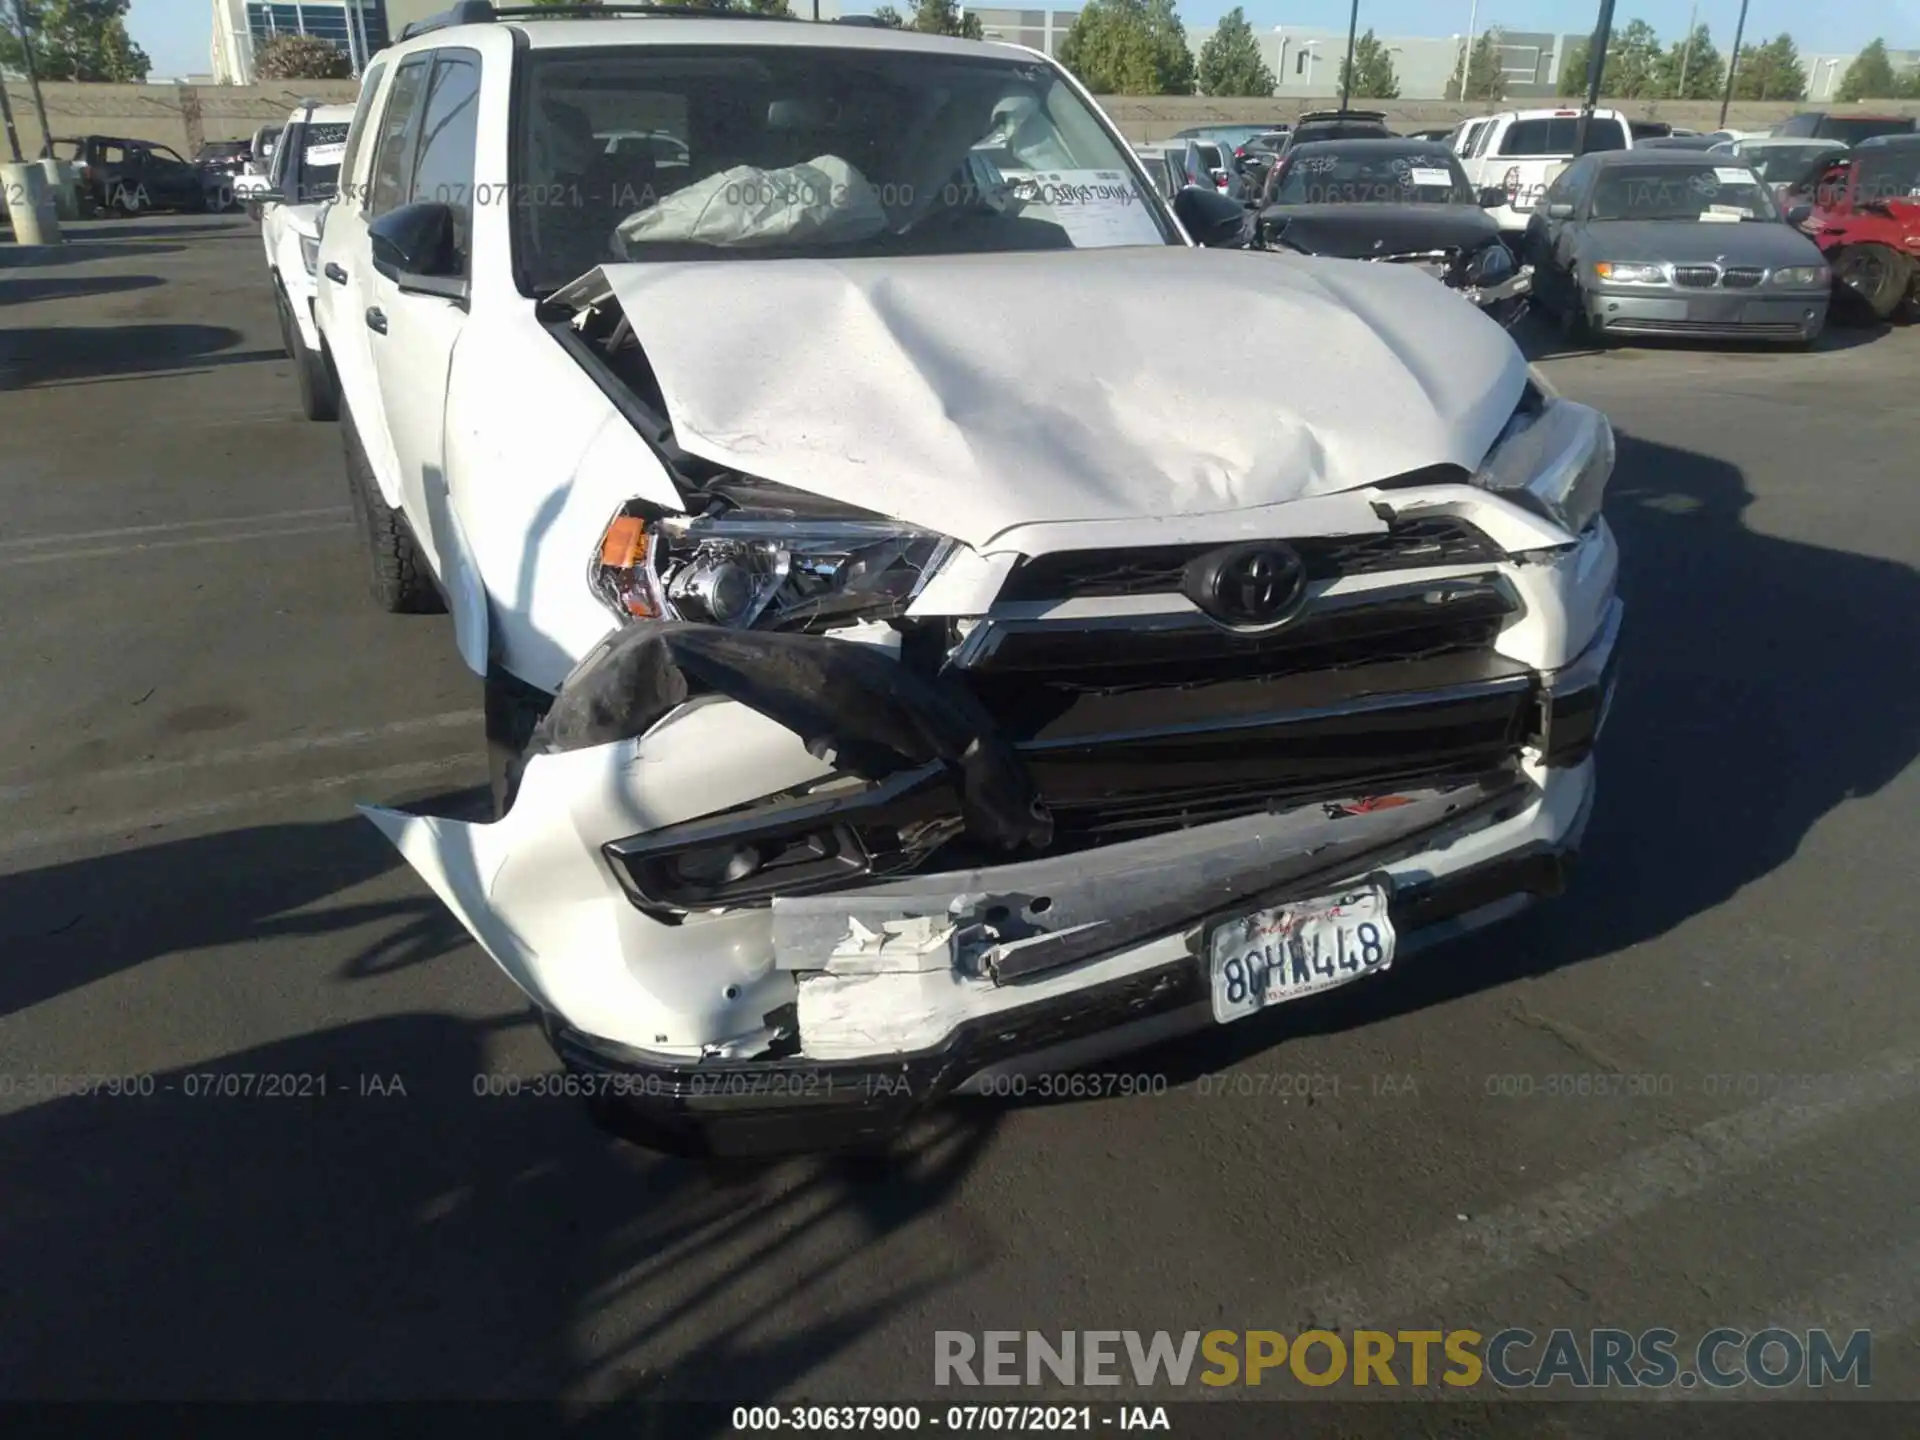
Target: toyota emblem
[{"x": 1247, "y": 587}]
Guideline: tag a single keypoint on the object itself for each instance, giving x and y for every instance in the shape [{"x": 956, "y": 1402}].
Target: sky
[{"x": 176, "y": 33}]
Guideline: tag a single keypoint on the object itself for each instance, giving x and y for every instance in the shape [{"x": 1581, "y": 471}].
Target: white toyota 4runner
[{"x": 891, "y": 685}]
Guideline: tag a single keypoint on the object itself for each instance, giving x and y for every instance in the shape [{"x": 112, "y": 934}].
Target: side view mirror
[
  {"x": 1560, "y": 210},
  {"x": 1491, "y": 197},
  {"x": 413, "y": 246},
  {"x": 1798, "y": 214},
  {"x": 1214, "y": 220}
]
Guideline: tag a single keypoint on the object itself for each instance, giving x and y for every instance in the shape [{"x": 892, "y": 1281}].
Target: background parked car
[
  {"x": 1783, "y": 162},
  {"x": 1228, "y": 137},
  {"x": 1522, "y": 151},
  {"x": 1863, "y": 211},
  {"x": 124, "y": 177},
  {"x": 220, "y": 163},
  {"x": 1666, "y": 242},
  {"x": 1256, "y": 157},
  {"x": 304, "y": 177},
  {"x": 1848, "y": 129},
  {"x": 1399, "y": 201},
  {"x": 1692, "y": 140},
  {"x": 1205, "y": 157}
]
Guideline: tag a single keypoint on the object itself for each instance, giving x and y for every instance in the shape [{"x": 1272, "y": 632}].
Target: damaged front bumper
[
  {"x": 899, "y": 1040},
  {"x": 870, "y": 981}
]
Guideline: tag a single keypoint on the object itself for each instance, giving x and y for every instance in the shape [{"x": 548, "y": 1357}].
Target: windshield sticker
[
  {"x": 1722, "y": 214},
  {"x": 326, "y": 154},
  {"x": 1441, "y": 178},
  {"x": 1732, "y": 175},
  {"x": 1095, "y": 207}
]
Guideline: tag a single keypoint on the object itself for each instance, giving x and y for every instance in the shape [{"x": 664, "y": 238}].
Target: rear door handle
[
  {"x": 336, "y": 274},
  {"x": 376, "y": 320}
]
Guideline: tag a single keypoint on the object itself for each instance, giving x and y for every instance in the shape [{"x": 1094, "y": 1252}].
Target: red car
[{"x": 1863, "y": 211}]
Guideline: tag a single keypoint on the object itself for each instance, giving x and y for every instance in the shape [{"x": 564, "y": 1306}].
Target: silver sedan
[{"x": 1673, "y": 242}]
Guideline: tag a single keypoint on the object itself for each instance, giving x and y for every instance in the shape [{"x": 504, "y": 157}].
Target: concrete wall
[{"x": 184, "y": 116}]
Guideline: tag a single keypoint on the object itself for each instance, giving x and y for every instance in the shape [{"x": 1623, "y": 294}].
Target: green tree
[
  {"x": 887, "y": 15},
  {"x": 943, "y": 17},
  {"x": 1706, "y": 72},
  {"x": 1870, "y": 76},
  {"x": 1771, "y": 71},
  {"x": 1230, "y": 62},
  {"x": 1484, "y": 80},
  {"x": 1373, "y": 77},
  {"x": 1633, "y": 69},
  {"x": 1129, "y": 47},
  {"x": 75, "y": 40},
  {"x": 300, "y": 57}
]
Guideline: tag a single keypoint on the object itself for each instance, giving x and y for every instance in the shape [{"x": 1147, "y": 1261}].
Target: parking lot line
[
  {"x": 269, "y": 750},
  {"x": 71, "y": 537},
  {"x": 129, "y": 826},
  {"x": 102, "y": 552},
  {"x": 1549, "y": 1222}
]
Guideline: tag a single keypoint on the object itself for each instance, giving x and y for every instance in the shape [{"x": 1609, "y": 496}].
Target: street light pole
[
  {"x": 33, "y": 76},
  {"x": 1733, "y": 64},
  {"x": 1346, "y": 74},
  {"x": 1596, "y": 67},
  {"x": 13, "y": 135},
  {"x": 1473, "y": 14}
]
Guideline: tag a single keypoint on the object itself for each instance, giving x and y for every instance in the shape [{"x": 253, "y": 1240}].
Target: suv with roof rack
[{"x": 889, "y": 684}]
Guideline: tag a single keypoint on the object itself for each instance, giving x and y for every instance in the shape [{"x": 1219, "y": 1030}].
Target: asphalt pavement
[{"x": 1684, "y": 1095}]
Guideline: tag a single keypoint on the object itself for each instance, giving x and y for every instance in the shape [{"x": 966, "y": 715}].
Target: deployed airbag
[
  {"x": 854, "y": 703},
  {"x": 822, "y": 201}
]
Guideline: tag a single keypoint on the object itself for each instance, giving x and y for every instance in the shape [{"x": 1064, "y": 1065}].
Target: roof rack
[{"x": 482, "y": 12}]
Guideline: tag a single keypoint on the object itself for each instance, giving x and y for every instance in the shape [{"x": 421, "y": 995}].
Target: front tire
[
  {"x": 398, "y": 577},
  {"x": 1877, "y": 276}
]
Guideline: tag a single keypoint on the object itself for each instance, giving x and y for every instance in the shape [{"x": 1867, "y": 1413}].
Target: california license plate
[{"x": 1273, "y": 956}]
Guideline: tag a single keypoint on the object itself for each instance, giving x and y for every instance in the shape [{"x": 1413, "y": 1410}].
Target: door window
[
  {"x": 393, "y": 155},
  {"x": 443, "y": 169},
  {"x": 357, "y": 131}
]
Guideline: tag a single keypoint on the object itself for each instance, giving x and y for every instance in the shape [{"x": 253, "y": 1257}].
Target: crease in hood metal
[{"x": 970, "y": 394}]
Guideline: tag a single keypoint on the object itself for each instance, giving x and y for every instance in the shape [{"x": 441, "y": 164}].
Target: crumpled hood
[{"x": 974, "y": 393}]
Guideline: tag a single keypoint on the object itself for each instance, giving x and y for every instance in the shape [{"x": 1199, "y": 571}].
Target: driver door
[{"x": 412, "y": 335}]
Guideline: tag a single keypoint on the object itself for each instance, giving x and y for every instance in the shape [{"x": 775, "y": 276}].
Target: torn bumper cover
[{"x": 775, "y": 891}]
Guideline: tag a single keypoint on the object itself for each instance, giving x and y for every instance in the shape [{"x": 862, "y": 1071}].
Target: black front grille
[
  {"x": 1696, "y": 277},
  {"x": 1157, "y": 569},
  {"x": 1424, "y": 622},
  {"x": 1742, "y": 277}
]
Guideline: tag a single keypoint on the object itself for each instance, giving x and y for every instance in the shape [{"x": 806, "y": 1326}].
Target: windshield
[
  {"x": 1401, "y": 177},
  {"x": 1556, "y": 136},
  {"x": 1852, "y": 130},
  {"x": 1682, "y": 192},
  {"x": 322, "y": 147},
  {"x": 1886, "y": 172},
  {"x": 795, "y": 150},
  {"x": 1783, "y": 164}
]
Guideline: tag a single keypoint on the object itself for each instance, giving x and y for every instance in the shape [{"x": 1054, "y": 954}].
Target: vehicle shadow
[
  {"x": 372, "y": 1224},
  {"x": 83, "y": 252},
  {"x": 1724, "y": 727},
  {"x": 27, "y": 289},
  {"x": 43, "y": 355},
  {"x": 69, "y": 924},
  {"x": 89, "y": 230}
]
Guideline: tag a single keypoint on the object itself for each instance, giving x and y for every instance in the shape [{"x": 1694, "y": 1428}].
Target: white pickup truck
[{"x": 1523, "y": 151}]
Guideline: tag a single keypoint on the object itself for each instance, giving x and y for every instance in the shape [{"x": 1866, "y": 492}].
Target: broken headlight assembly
[
  {"x": 743, "y": 572},
  {"x": 1554, "y": 458}
]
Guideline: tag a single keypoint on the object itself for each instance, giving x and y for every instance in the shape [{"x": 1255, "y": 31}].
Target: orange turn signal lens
[{"x": 625, "y": 575}]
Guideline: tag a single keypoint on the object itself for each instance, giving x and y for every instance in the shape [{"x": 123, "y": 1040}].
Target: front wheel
[
  {"x": 399, "y": 579},
  {"x": 1875, "y": 275}
]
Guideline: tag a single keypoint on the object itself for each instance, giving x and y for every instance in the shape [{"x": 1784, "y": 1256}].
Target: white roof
[
  {"x": 563, "y": 33},
  {"x": 322, "y": 115}
]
